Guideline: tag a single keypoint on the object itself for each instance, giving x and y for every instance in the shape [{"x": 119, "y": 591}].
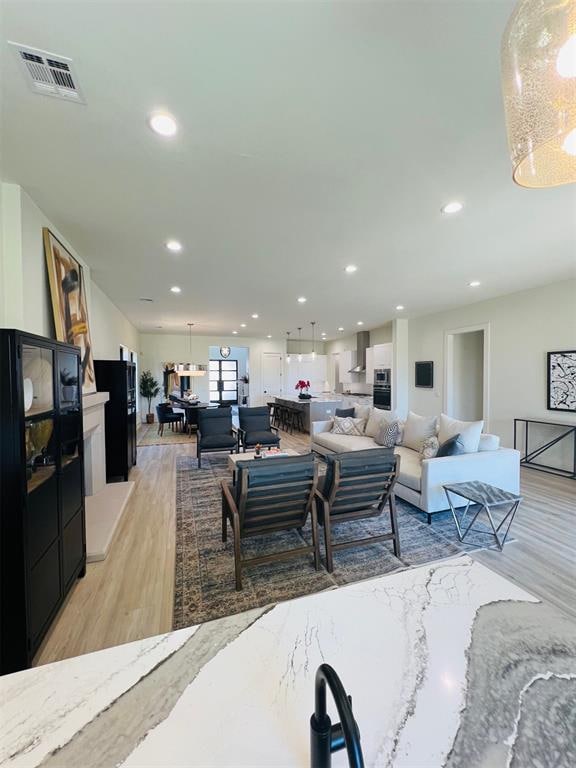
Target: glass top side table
[{"x": 487, "y": 497}]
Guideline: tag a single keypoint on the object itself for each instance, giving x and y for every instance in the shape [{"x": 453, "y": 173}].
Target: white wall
[
  {"x": 468, "y": 375},
  {"x": 158, "y": 348},
  {"x": 27, "y": 304},
  {"x": 523, "y": 327}
]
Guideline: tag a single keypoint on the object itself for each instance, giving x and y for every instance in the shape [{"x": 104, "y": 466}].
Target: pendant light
[
  {"x": 288, "y": 358},
  {"x": 313, "y": 342},
  {"x": 299, "y": 345},
  {"x": 539, "y": 88}
]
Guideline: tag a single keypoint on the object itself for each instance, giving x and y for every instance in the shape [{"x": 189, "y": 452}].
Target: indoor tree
[{"x": 149, "y": 389}]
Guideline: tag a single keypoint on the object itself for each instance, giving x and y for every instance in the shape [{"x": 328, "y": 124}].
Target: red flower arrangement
[{"x": 302, "y": 385}]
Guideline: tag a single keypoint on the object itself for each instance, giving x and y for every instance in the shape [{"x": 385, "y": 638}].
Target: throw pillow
[
  {"x": 377, "y": 419},
  {"x": 489, "y": 442},
  {"x": 430, "y": 447},
  {"x": 417, "y": 429},
  {"x": 469, "y": 432},
  {"x": 452, "y": 447},
  {"x": 347, "y": 426},
  {"x": 387, "y": 435},
  {"x": 361, "y": 411},
  {"x": 344, "y": 412}
]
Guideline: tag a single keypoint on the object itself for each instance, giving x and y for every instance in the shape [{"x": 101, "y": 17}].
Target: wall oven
[{"x": 382, "y": 396}]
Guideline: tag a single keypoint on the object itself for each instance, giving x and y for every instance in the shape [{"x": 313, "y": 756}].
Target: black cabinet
[
  {"x": 42, "y": 520},
  {"x": 118, "y": 378}
]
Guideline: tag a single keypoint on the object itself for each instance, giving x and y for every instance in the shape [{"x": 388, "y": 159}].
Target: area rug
[
  {"x": 147, "y": 434},
  {"x": 204, "y": 580}
]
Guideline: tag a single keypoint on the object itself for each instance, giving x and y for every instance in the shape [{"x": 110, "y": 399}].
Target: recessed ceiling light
[
  {"x": 269, "y": 336},
  {"x": 254, "y": 316},
  {"x": 360, "y": 322},
  {"x": 163, "y": 124},
  {"x": 235, "y": 333},
  {"x": 340, "y": 329},
  {"x": 242, "y": 325},
  {"x": 174, "y": 245},
  {"x": 474, "y": 283},
  {"x": 302, "y": 300},
  {"x": 453, "y": 207},
  {"x": 175, "y": 289},
  {"x": 400, "y": 307},
  {"x": 351, "y": 268},
  {"x": 143, "y": 298}
]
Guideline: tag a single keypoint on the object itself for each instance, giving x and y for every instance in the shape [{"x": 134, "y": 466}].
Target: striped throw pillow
[{"x": 387, "y": 435}]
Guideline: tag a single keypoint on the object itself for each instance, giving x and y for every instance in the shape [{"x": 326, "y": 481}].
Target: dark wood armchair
[
  {"x": 358, "y": 485},
  {"x": 255, "y": 428},
  {"x": 274, "y": 494},
  {"x": 215, "y": 432}
]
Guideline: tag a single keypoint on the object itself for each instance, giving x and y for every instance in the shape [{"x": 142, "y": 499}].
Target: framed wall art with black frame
[{"x": 561, "y": 388}]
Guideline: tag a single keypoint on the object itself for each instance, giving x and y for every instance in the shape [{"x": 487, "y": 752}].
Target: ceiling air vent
[{"x": 48, "y": 74}]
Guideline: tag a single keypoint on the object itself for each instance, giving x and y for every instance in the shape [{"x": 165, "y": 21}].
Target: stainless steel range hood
[{"x": 362, "y": 344}]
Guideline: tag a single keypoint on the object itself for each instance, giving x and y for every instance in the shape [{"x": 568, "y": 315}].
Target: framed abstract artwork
[
  {"x": 68, "y": 294},
  {"x": 562, "y": 381}
]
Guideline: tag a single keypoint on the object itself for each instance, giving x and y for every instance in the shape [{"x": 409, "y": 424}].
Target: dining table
[{"x": 191, "y": 410}]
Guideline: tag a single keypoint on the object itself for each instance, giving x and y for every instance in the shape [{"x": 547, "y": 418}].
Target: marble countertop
[
  {"x": 321, "y": 397},
  {"x": 448, "y": 664}
]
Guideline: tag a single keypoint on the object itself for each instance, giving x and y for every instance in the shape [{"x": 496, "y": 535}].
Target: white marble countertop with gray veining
[
  {"x": 448, "y": 664},
  {"x": 320, "y": 397}
]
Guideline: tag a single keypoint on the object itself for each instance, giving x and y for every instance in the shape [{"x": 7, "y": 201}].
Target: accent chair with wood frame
[
  {"x": 255, "y": 428},
  {"x": 357, "y": 486},
  {"x": 215, "y": 432},
  {"x": 274, "y": 494}
]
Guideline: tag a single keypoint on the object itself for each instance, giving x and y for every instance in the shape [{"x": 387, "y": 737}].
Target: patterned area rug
[
  {"x": 148, "y": 435},
  {"x": 204, "y": 584}
]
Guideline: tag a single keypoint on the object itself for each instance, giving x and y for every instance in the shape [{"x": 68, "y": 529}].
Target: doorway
[
  {"x": 272, "y": 381},
  {"x": 467, "y": 355},
  {"x": 223, "y": 380}
]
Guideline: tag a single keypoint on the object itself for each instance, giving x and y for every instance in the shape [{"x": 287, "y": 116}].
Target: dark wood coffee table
[{"x": 487, "y": 497}]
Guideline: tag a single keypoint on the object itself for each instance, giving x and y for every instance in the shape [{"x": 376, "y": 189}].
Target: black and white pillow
[{"x": 387, "y": 434}]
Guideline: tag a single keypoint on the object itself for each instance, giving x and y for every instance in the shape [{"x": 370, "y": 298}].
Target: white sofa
[{"x": 420, "y": 481}]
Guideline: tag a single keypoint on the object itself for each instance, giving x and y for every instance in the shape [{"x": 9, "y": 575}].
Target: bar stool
[{"x": 274, "y": 409}]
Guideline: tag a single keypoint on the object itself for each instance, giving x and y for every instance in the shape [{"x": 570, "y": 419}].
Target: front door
[{"x": 224, "y": 382}]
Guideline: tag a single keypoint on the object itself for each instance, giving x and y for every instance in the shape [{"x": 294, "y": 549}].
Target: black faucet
[{"x": 326, "y": 738}]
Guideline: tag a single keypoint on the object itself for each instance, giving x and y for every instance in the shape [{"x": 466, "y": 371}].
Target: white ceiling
[{"x": 312, "y": 135}]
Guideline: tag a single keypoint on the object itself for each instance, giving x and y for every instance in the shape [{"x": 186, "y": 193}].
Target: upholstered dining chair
[
  {"x": 271, "y": 495},
  {"x": 357, "y": 486},
  {"x": 255, "y": 428},
  {"x": 215, "y": 432},
  {"x": 167, "y": 416}
]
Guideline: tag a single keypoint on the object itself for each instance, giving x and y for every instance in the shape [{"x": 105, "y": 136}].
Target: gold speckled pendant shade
[{"x": 539, "y": 86}]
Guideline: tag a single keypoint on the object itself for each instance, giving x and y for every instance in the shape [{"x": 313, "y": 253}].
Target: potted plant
[
  {"x": 149, "y": 389},
  {"x": 69, "y": 386},
  {"x": 303, "y": 385}
]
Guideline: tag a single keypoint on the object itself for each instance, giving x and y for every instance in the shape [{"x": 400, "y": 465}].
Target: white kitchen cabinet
[
  {"x": 312, "y": 370},
  {"x": 347, "y": 362},
  {"x": 370, "y": 365},
  {"x": 382, "y": 356}
]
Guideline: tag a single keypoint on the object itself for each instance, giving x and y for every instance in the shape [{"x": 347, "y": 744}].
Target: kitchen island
[
  {"x": 448, "y": 664},
  {"x": 320, "y": 407}
]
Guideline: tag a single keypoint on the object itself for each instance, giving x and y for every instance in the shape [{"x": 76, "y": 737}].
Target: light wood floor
[{"x": 129, "y": 595}]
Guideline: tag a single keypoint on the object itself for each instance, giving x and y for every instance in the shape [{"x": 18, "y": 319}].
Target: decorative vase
[
  {"x": 149, "y": 418},
  {"x": 69, "y": 393},
  {"x": 304, "y": 396}
]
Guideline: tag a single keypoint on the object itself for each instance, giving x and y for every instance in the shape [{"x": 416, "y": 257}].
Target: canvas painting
[
  {"x": 69, "y": 307},
  {"x": 562, "y": 381}
]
